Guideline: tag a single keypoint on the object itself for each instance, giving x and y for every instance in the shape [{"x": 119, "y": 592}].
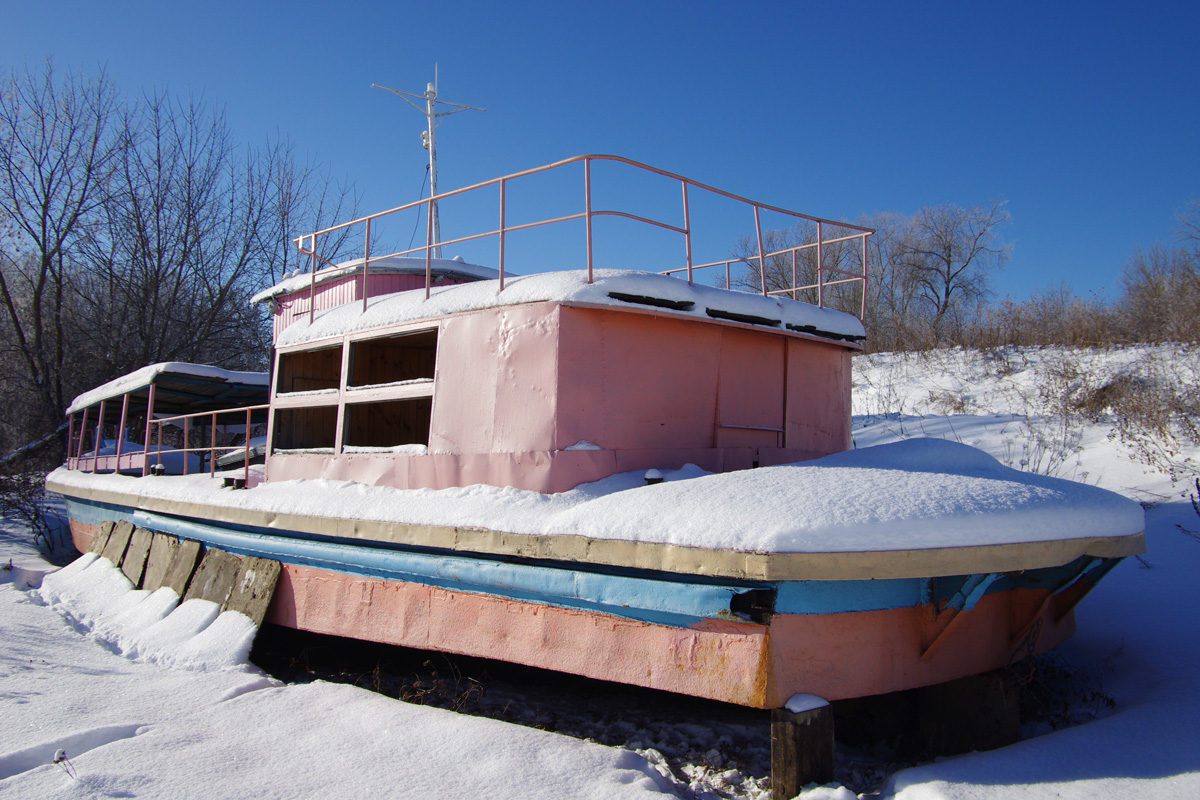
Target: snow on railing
[{"x": 308, "y": 244}]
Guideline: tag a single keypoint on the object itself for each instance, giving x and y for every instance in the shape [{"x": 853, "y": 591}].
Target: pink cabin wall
[
  {"x": 640, "y": 381},
  {"x": 515, "y": 386}
]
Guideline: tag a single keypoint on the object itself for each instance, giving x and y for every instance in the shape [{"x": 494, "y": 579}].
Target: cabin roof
[
  {"x": 183, "y": 387},
  {"x": 625, "y": 289},
  {"x": 452, "y": 267}
]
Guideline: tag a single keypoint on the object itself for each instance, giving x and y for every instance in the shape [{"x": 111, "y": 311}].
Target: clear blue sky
[{"x": 1084, "y": 117}]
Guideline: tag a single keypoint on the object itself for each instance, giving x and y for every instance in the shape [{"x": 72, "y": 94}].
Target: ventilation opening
[
  {"x": 388, "y": 424},
  {"x": 305, "y": 428},
  {"x": 310, "y": 371},
  {"x": 408, "y": 358}
]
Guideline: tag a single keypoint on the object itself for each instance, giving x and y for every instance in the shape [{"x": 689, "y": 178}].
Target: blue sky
[{"x": 1084, "y": 117}]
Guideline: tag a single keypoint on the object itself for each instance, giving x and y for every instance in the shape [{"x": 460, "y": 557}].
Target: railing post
[
  {"x": 121, "y": 428},
  {"x": 795, "y": 280},
  {"x": 246, "y": 442},
  {"x": 503, "y": 184},
  {"x": 366, "y": 262},
  {"x": 187, "y": 431},
  {"x": 428, "y": 246},
  {"x": 99, "y": 435},
  {"x": 82, "y": 436},
  {"x": 149, "y": 427},
  {"x": 312, "y": 284},
  {"x": 762, "y": 259},
  {"x": 587, "y": 211},
  {"x": 863, "y": 312},
  {"x": 820, "y": 268},
  {"x": 212, "y": 453},
  {"x": 687, "y": 230},
  {"x": 70, "y": 438}
]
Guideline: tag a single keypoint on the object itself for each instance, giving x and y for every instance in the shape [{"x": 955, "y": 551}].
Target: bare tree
[
  {"x": 954, "y": 251},
  {"x": 57, "y": 143},
  {"x": 785, "y": 272},
  {"x": 301, "y": 199},
  {"x": 134, "y": 233},
  {"x": 170, "y": 271},
  {"x": 1161, "y": 299}
]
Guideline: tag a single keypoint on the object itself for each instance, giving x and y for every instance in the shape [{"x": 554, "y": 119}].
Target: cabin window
[
  {"x": 388, "y": 424},
  {"x": 305, "y": 428},
  {"x": 408, "y": 358},
  {"x": 310, "y": 371}
]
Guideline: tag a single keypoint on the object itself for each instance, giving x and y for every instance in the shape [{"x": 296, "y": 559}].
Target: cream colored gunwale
[{"x": 869, "y": 565}]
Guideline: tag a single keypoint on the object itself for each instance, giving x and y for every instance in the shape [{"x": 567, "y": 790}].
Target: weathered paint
[
  {"x": 716, "y": 659},
  {"x": 838, "y": 656},
  {"x": 835, "y": 639},
  {"x": 94, "y": 505},
  {"x": 665, "y": 599},
  {"x": 515, "y": 386}
]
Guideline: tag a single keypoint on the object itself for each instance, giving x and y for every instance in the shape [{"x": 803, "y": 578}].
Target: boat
[{"x": 642, "y": 477}]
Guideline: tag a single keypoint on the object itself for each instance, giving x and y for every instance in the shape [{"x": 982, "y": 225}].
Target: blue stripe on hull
[{"x": 660, "y": 598}]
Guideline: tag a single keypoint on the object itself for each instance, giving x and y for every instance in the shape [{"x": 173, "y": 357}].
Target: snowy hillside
[{"x": 148, "y": 702}]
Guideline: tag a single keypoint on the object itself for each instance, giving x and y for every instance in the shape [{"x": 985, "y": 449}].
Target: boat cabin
[{"x": 421, "y": 372}]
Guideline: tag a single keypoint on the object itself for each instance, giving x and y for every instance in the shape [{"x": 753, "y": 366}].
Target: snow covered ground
[{"x": 149, "y": 702}]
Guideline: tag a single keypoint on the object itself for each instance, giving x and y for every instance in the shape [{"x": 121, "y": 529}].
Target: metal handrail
[
  {"x": 213, "y": 449},
  {"x": 307, "y": 244}
]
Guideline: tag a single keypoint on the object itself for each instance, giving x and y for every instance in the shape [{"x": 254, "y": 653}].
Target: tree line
[
  {"x": 134, "y": 230},
  {"x": 929, "y": 284}
]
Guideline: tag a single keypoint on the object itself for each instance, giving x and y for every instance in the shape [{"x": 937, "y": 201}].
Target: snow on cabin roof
[
  {"x": 146, "y": 375},
  {"x": 454, "y": 267},
  {"x": 618, "y": 288}
]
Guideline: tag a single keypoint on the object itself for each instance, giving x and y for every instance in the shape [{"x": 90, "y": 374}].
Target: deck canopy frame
[
  {"x": 827, "y": 276},
  {"x": 206, "y": 405}
]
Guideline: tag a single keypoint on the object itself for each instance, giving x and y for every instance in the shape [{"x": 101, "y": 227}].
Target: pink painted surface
[
  {"x": 720, "y": 660},
  {"x": 515, "y": 386},
  {"x": 834, "y": 656},
  {"x": 818, "y": 392},
  {"x": 837, "y": 656}
]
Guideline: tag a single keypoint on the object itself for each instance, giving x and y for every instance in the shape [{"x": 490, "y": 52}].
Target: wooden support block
[
  {"x": 100, "y": 537},
  {"x": 183, "y": 565},
  {"x": 118, "y": 540},
  {"x": 801, "y": 746},
  {"x": 980, "y": 712},
  {"x": 134, "y": 563},
  {"x": 214, "y": 577},
  {"x": 158, "y": 562},
  {"x": 253, "y": 588}
]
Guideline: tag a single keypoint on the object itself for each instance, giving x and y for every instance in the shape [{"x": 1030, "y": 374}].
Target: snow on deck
[
  {"x": 146, "y": 375},
  {"x": 911, "y": 495},
  {"x": 566, "y": 287}
]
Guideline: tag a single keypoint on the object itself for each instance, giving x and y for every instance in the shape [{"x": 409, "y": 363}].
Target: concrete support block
[
  {"x": 214, "y": 577},
  {"x": 158, "y": 563},
  {"x": 253, "y": 588},
  {"x": 183, "y": 566},
  {"x": 100, "y": 537},
  {"x": 134, "y": 562},
  {"x": 801, "y": 745},
  {"x": 118, "y": 540}
]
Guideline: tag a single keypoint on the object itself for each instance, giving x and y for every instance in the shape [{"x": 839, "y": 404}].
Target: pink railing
[
  {"x": 90, "y": 459},
  {"x": 308, "y": 244}
]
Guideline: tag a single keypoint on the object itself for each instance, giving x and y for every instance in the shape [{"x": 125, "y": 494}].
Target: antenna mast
[{"x": 428, "y": 140}]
